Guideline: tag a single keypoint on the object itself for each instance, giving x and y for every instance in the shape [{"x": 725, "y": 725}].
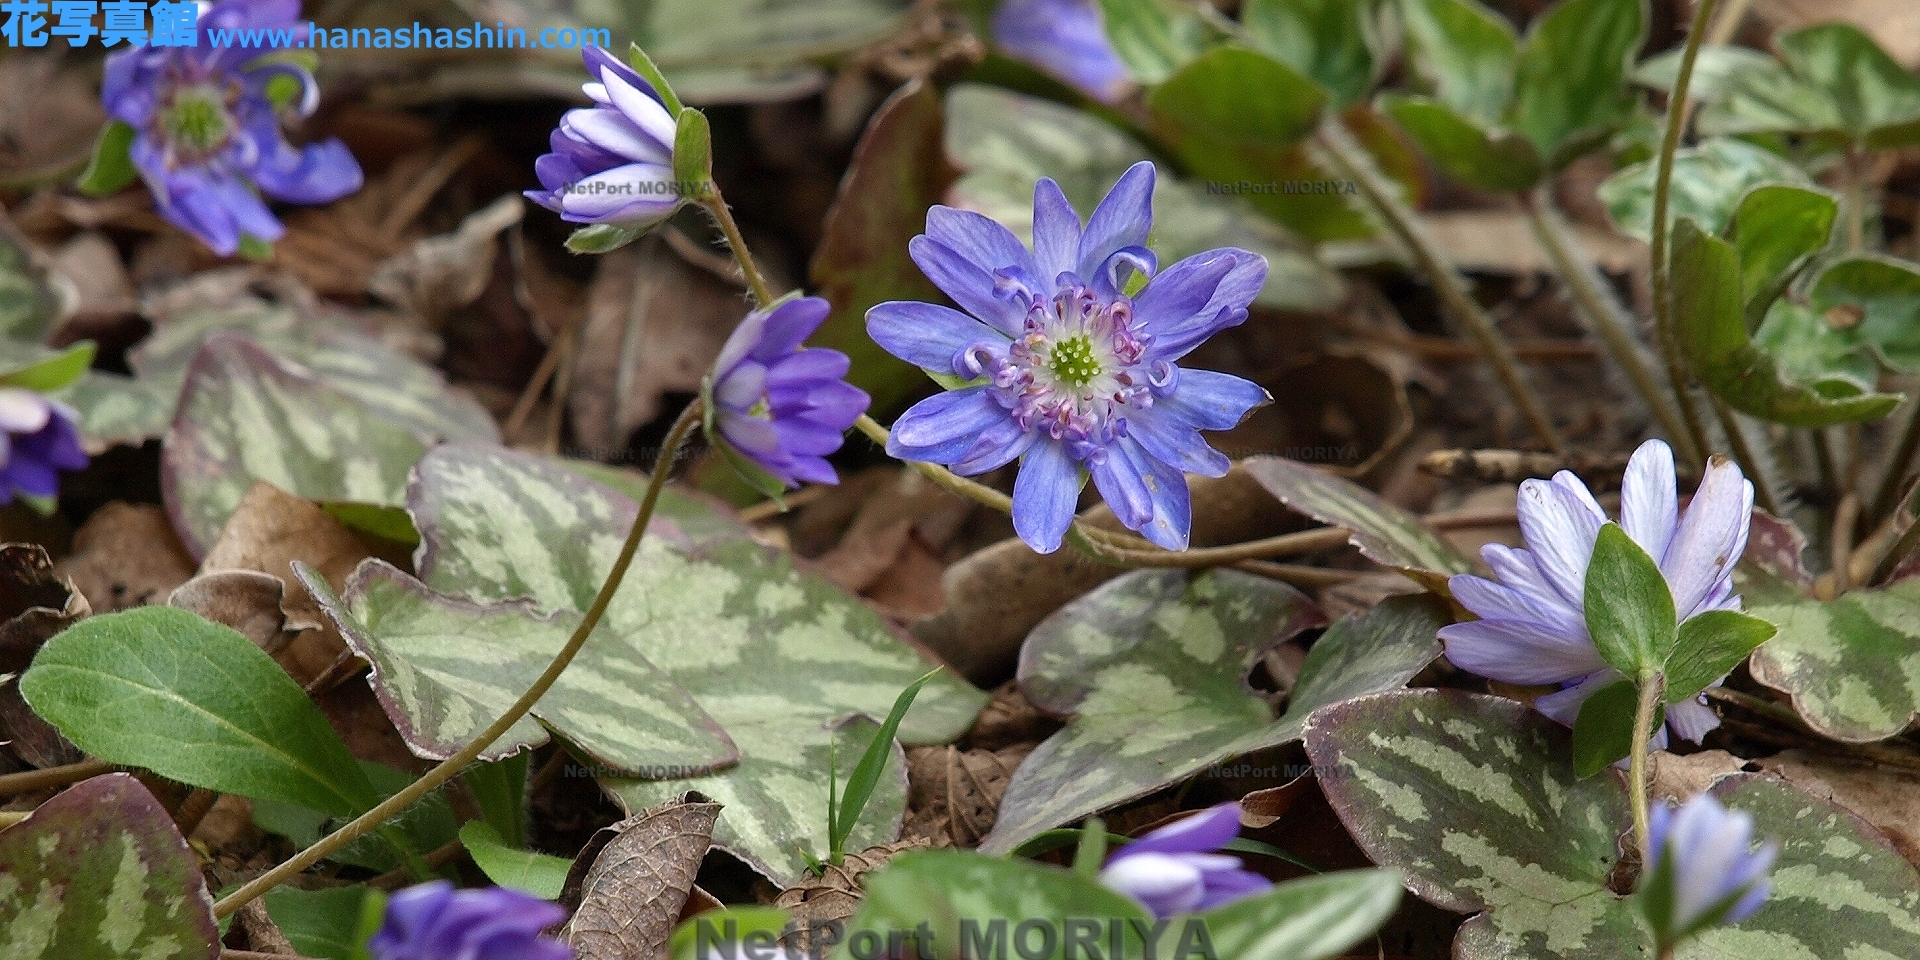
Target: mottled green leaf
[
  {"x": 320, "y": 923},
  {"x": 1629, "y": 608},
  {"x": 445, "y": 667},
  {"x": 1708, "y": 182},
  {"x": 775, "y": 654},
  {"x": 247, "y": 415},
  {"x": 1570, "y": 82},
  {"x": 28, "y": 304},
  {"x": 1154, "y": 38},
  {"x": 1886, "y": 293},
  {"x": 540, "y": 874},
  {"x": 1851, "y": 665},
  {"x": 749, "y": 50},
  {"x": 118, "y": 410},
  {"x": 1386, "y": 534},
  {"x": 960, "y": 894},
  {"x": 163, "y": 689},
  {"x": 1152, "y": 667},
  {"x": 1490, "y": 159},
  {"x": 698, "y": 516},
  {"x": 1475, "y": 799},
  {"x": 1878, "y": 100},
  {"x": 1809, "y": 348},
  {"x": 1007, "y": 142},
  {"x": 1327, "y": 40},
  {"x": 1465, "y": 52},
  {"x": 1776, "y": 230},
  {"x": 99, "y": 872}
]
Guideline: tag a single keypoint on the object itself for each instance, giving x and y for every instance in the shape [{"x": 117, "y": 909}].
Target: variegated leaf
[
  {"x": 1851, "y": 664},
  {"x": 1385, "y": 533},
  {"x": 247, "y": 415},
  {"x": 100, "y": 873},
  {"x": 777, "y": 655},
  {"x": 1153, "y": 666},
  {"x": 1474, "y": 798},
  {"x": 445, "y": 667},
  {"x": 700, "y": 516}
]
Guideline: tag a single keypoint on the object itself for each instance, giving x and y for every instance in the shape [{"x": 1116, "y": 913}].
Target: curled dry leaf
[
  {"x": 632, "y": 879},
  {"x": 247, "y": 600},
  {"x": 1680, "y": 778},
  {"x": 832, "y": 897},
  {"x": 441, "y": 274},
  {"x": 126, "y": 555},
  {"x": 1885, "y": 797},
  {"x": 954, "y": 795},
  {"x": 37, "y": 604}
]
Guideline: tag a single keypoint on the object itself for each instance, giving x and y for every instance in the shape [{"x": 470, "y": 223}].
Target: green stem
[
  {"x": 1350, "y": 159},
  {"x": 1901, "y": 549},
  {"x": 1743, "y": 454},
  {"x": 1662, "y": 201},
  {"x": 452, "y": 766},
  {"x": 1652, "y": 689},
  {"x": 1606, "y": 316},
  {"x": 717, "y": 205}
]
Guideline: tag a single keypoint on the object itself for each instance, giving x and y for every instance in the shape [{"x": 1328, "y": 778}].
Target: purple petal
[
  {"x": 1123, "y": 487},
  {"x": 1044, "y": 495},
  {"x": 790, "y": 324},
  {"x": 318, "y": 173},
  {"x": 1065, "y": 38},
  {"x": 1208, "y": 830},
  {"x": 1168, "y": 439},
  {"x": 943, "y": 427},
  {"x": 1056, "y": 232},
  {"x": 1692, "y": 720},
  {"x": 1710, "y": 537},
  {"x": 1198, "y": 297},
  {"x": 612, "y": 131},
  {"x": 1518, "y": 652},
  {"x": 1649, "y": 501},
  {"x": 996, "y": 447},
  {"x": 1226, "y": 886},
  {"x": 1123, "y": 219},
  {"x": 1495, "y": 601},
  {"x": 1212, "y": 401},
  {"x": 1172, "y": 502},
  {"x": 1164, "y": 884},
  {"x": 623, "y": 195},
  {"x": 967, "y": 283},
  {"x": 636, "y": 102},
  {"x": 981, "y": 240},
  {"x": 928, "y": 336},
  {"x": 1560, "y": 528}
]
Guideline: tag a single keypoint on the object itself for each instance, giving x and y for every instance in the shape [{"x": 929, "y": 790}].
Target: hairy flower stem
[
  {"x": 1351, "y": 160},
  {"x": 1664, "y": 325},
  {"x": 1652, "y": 690},
  {"x": 1606, "y": 316},
  {"x": 452, "y": 766},
  {"x": 717, "y": 206}
]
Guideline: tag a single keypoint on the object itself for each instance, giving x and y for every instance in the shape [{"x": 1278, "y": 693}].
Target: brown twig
[
  {"x": 29, "y": 781},
  {"x": 767, "y": 510}
]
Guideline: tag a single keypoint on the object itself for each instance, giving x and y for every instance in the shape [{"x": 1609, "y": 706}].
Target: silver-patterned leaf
[
  {"x": 1153, "y": 666},
  {"x": 1851, "y": 664},
  {"x": 776, "y": 654},
  {"x": 445, "y": 667},
  {"x": 246, "y": 415},
  {"x": 100, "y": 873},
  {"x": 1386, "y": 534}
]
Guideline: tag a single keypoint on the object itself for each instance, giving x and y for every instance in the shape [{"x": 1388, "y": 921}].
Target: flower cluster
[
  {"x": 207, "y": 136},
  {"x": 38, "y": 441},
  {"x": 1065, "y": 38},
  {"x": 1068, "y": 351},
  {"x": 612, "y": 162},
  {"x": 433, "y": 921},
  {"x": 1701, "y": 870},
  {"x": 774, "y": 408},
  {"x": 1178, "y": 869},
  {"x": 1533, "y": 629}
]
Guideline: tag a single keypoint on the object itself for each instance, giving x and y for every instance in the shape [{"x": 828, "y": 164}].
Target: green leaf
[
  {"x": 387, "y": 523},
  {"x": 99, "y": 872},
  {"x": 540, "y": 874},
  {"x": 1091, "y": 851},
  {"x": 1628, "y": 605},
  {"x": 866, "y": 774},
  {"x": 1385, "y": 534},
  {"x": 1152, "y": 668},
  {"x": 693, "y": 154},
  {"x": 256, "y": 249},
  {"x": 1570, "y": 86},
  {"x": 961, "y": 894},
  {"x": 1809, "y": 348},
  {"x": 752, "y": 51},
  {"x": 1007, "y": 142},
  {"x": 1239, "y": 101},
  {"x": 1494, "y": 160},
  {"x": 1327, "y": 40},
  {"x": 1851, "y": 664},
  {"x": 1776, "y": 231},
  {"x": 29, "y": 302},
  {"x": 602, "y": 238},
  {"x": 776, "y": 655},
  {"x": 321, "y": 923},
  {"x": 1154, "y": 38},
  {"x": 1603, "y": 731},
  {"x": 698, "y": 516},
  {"x": 500, "y": 789},
  {"x": 695, "y": 939},
  {"x": 1308, "y": 919},
  {"x": 53, "y": 373},
  {"x": 1711, "y": 644},
  {"x": 1708, "y": 183},
  {"x": 1466, "y": 52},
  {"x": 444, "y": 669},
  {"x": 1886, "y": 294},
  {"x": 1718, "y": 71},
  {"x": 111, "y": 169},
  {"x": 246, "y": 415},
  {"x": 1709, "y": 304},
  {"x": 1476, "y": 800},
  {"x": 425, "y": 826},
  {"x": 1878, "y": 100},
  {"x": 194, "y": 701}
]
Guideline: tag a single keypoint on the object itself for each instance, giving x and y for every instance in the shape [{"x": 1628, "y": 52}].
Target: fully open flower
[
  {"x": 1702, "y": 870},
  {"x": 1533, "y": 630},
  {"x": 1069, "y": 351},
  {"x": 778, "y": 407},
  {"x": 433, "y": 921},
  {"x": 1178, "y": 869},
  {"x": 1065, "y": 38},
  {"x": 38, "y": 441},
  {"x": 611, "y": 162},
  {"x": 207, "y": 138}
]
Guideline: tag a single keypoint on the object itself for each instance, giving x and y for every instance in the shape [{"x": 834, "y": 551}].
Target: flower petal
[
  {"x": 1495, "y": 601},
  {"x": 1560, "y": 528},
  {"x": 967, "y": 283},
  {"x": 1212, "y": 401},
  {"x": 1208, "y": 830},
  {"x": 1710, "y": 537},
  {"x": 1649, "y": 498},
  {"x": 983, "y": 241},
  {"x": 944, "y": 427},
  {"x": 1044, "y": 495},
  {"x": 1123, "y": 219},
  {"x": 1056, "y": 233},
  {"x": 1198, "y": 297},
  {"x": 928, "y": 336},
  {"x": 1520, "y": 652}
]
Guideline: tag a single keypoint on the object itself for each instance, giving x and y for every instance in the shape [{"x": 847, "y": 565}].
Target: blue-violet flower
[
  {"x": 612, "y": 162},
  {"x": 1067, "y": 39},
  {"x": 433, "y": 921},
  {"x": 1178, "y": 869},
  {"x": 207, "y": 138},
  {"x": 779, "y": 407},
  {"x": 1068, "y": 352},
  {"x": 1702, "y": 870},
  {"x": 1533, "y": 628},
  {"x": 38, "y": 439}
]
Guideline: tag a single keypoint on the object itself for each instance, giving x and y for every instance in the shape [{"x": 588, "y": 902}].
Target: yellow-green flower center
[
  {"x": 197, "y": 122},
  {"x": 762, "y": 409},
  {"x": 1072, "y": 361}
]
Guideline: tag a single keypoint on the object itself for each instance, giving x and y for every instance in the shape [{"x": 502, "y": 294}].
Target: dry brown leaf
[
  {"x": 954, "y": 795},
  {"x": 909, "y": 590},
  {"x": 106, "y": 307},
  {"x": 441, "y": 274},
  {"x": 1501, "y": 241},
  {"x": 249, "y": 601},
  {"x": 633, "y": 878},
  {"x": 832, "y": 897},
  {"x": 125, "y": 556},
  {"x": 1680, "y": 778},
  {"x": 1886, "y": 797},
  {"x": 49, "y": 116},
  {"x": 36, "y": 604},
  {"x": 1010, "y": 718},
  {"x": 336, "y": 248}
]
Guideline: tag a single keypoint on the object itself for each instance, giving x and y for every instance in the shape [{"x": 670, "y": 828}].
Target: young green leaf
[
  {"x": 540, "y": 874},
  {"x": 1777, "y": 230},
  {"x": 1466, "y": 53},
  {"x": 1328, "y": 40},
  {"x": 1884, "y": 292},
  {"x": 601, "y": 238},
  {"x": 321, "y": 923},
  {"x": 1603, "y": 732},
  {"x": 692, "y": 154},
  {"x": 1154, "y": 38},
  {"x": 1629, "y": 607},
  {"x": 1092, "y": 849},
  {"x": 54, "y": 372},
  {"x": 111, "y": 168},
  {"x": 1307, "y": 919},
  {"x": 1496, "y": 160},
  {"x": 1878, "y": 100},
  {"x": 1570, "y": 88},
  {"x": 866, "y": 773},
  {"x": 1710, "y": 646}
]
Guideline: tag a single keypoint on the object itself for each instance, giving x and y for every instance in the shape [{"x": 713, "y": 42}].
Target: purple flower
[
  {"x": 433, "y": 921},
  {"x": 1701, "y": 869},
  {"x": 1175, "y": 869},
  {"x": 1067, "y": 39},
  {"x": 39, "y": 441},
  {"x": 776, "y": 406},
  {"x": 207, "y": 135},
  {"x": 1068, "y": 352},
  {"x": 1533, "y": 629},
  {"x": 611, "y": 162}
]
